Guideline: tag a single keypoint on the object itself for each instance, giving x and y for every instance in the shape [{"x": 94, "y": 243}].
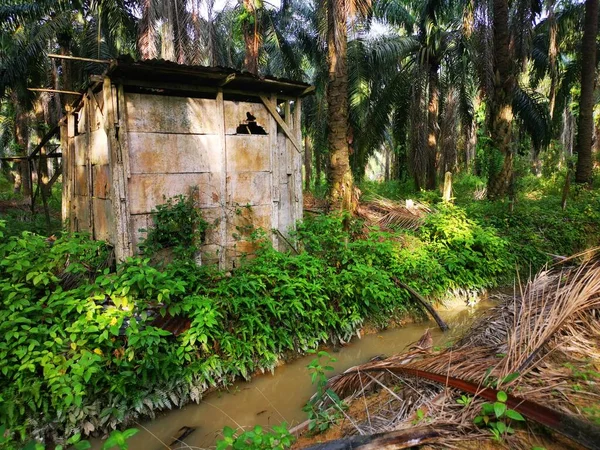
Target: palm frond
[{"x": 532, "y": 109}]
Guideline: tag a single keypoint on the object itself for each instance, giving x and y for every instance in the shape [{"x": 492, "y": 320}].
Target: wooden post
[
  {"x": 275, "y": 177},
  {"x": 223, "y": 183},
  {"x": 116, "y": 134},
  {"x": 66, "y": 174},
  {"x": 447, "y": 195},
  {"x": 297, "y": 162}
]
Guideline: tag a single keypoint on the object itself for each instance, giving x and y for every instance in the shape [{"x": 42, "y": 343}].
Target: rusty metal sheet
[
  {"x": 235, "y": 114},
  {"x": 286, "y": 213},
  {"x": 247, "y": 153},
  {"x": 173, "y": 153},
  {"x": 99, "y": 148},
  {"x": 236, "y": 251},
  {"x": 103, "y": 219},
  {"x": 80, "y": 149},
  {"x": 81, "y": 181},
  {"x": 148, "y": 190},
  {"x": 162, "y": 114},
  {"x": 101, "y": 181},
  {"x": 252, "y": 188},
  {"x": 96, "y": 121}
]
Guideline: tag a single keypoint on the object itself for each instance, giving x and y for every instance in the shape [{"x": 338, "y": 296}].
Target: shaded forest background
[{"x": 405, "y": 90}]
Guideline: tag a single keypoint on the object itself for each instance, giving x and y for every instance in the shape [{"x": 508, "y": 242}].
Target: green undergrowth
[
  {"x": 79, "y": 351},
  {"x": 537, "y": 227}
]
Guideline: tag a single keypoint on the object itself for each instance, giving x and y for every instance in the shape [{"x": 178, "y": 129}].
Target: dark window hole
[{"x": 249, "y": 126}]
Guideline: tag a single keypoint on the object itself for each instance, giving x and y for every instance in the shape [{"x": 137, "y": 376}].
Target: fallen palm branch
[
  {"x": 584, "y": 433},
  {"x": 390, "y": 214},
  {"x": 528, "y": 342},
  {"x": 392, "y": 440},
  {"x": 443, "y": 326}
]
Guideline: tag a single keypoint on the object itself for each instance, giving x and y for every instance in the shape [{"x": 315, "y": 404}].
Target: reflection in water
[{"x": 271, "y": 399}]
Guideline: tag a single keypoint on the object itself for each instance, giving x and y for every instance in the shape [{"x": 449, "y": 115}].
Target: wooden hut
[{"x": 150, "y": 130}]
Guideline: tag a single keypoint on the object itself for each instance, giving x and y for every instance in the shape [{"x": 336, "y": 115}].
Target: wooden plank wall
[
  {"x": 179, "y": 145},
  {"x": 87, "y": 174}
]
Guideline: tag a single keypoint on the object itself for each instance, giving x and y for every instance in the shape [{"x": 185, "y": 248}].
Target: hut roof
[{"x": 182, "y": 77}]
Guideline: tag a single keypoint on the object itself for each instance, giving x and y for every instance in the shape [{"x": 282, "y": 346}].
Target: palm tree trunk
[
  {"x": 251, "y": 39},
  {"x": 501, "y": 109},
  {"x": 307, "y": 162},
  {"x": 147, "y": 34},
  {"x": 179, "y": 31},
  {"x": 340, "y": 175},
  {"x": 552, "y": 56},
  {"x": 22, "y": 140},
  {"x": 585, "y": 127},
  {"x": 432, "y": 125}
]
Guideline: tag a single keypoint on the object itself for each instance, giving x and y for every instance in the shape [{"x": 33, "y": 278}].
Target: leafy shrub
[
  {"x": 79, "y": 351},
  {"x": 178, "y": 225}
]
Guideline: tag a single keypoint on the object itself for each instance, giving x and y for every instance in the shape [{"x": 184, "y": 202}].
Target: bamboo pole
[
  {"x": 56, "y": 91},
  {"x": 79, "y": 58}
]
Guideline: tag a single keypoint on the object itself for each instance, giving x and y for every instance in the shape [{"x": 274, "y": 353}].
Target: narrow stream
[{"x": 271, "y": 399}]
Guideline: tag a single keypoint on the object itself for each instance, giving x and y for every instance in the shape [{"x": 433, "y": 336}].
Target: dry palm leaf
[
  {"x": 387, "y": 213},
  {"x": 556, "y": 316}
]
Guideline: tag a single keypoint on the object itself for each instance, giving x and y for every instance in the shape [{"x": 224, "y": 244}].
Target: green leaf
[
  {"x": 514, "y": 415},
  {"x": 499, "y": 409},
  {"x": 501, "y": 427},
  {"x": 510, "y": 377},
  {"x": 501, "y": 396},
  {"x": 130, "y": 432}
]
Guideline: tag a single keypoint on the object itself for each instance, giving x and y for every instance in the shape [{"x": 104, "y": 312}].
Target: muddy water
[{"x": 271, "y": 399}]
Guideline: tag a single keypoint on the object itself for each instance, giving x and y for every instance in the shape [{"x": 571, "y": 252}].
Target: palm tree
[
  {"x": 501, "y": 112},
  {"x": 340, "y": 174},
  {"x": 341, "y": 187},
  {"x": 423, "y": 60},
  {"x": 29, "y": 30},
  {"x": 252, "y": 33},
  {"x": 341, "y": 183},
  {"x": 583, "y": 173}
]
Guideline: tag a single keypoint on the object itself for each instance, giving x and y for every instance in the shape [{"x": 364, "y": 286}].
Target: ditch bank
[{"x": 271, "y": 399}]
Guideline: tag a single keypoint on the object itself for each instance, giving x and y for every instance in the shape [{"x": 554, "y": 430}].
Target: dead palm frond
[
  {"x": 392, "y": 214},
  {"x": 542, "y": 336}
]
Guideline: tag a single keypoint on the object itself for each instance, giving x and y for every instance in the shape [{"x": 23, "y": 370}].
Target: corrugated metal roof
[{"x": 159, "y": 70}]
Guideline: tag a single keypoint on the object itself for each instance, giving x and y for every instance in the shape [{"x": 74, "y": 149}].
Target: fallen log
[
  {"x": 443, "y": 326},
  {"x": 393, "y": 440}
]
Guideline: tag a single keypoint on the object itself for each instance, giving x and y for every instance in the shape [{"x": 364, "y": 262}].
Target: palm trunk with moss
[
  {"x": 585, "y": 126},
  {"x": 341, "y": 183},
  {"x": 501, "y": 114},
  {"x": 552, "y": 56},
  {"x": 432, "y": 125},
  {"x": 307, "y": 162},
  {"x": 21, "y": 134},
  {"x": 251, "y": 37}
]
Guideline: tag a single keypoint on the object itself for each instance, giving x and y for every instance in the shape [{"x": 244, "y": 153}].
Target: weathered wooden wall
[
  {"x": 87, "y": 179},
  {"x": 181, "y": 145},
  {"x": 124, "y": 159}
]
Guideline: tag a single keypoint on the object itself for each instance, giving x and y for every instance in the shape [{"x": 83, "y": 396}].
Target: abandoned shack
[{"x": 150, "y": 130}]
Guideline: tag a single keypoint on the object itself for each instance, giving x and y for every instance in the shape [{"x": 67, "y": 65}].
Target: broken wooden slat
[{"x": 284, "y": 126}]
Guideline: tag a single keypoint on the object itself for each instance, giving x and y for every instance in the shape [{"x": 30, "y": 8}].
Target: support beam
[
  {"x": 45, "y": 140},
  {"x": 284, "y": 126}
]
